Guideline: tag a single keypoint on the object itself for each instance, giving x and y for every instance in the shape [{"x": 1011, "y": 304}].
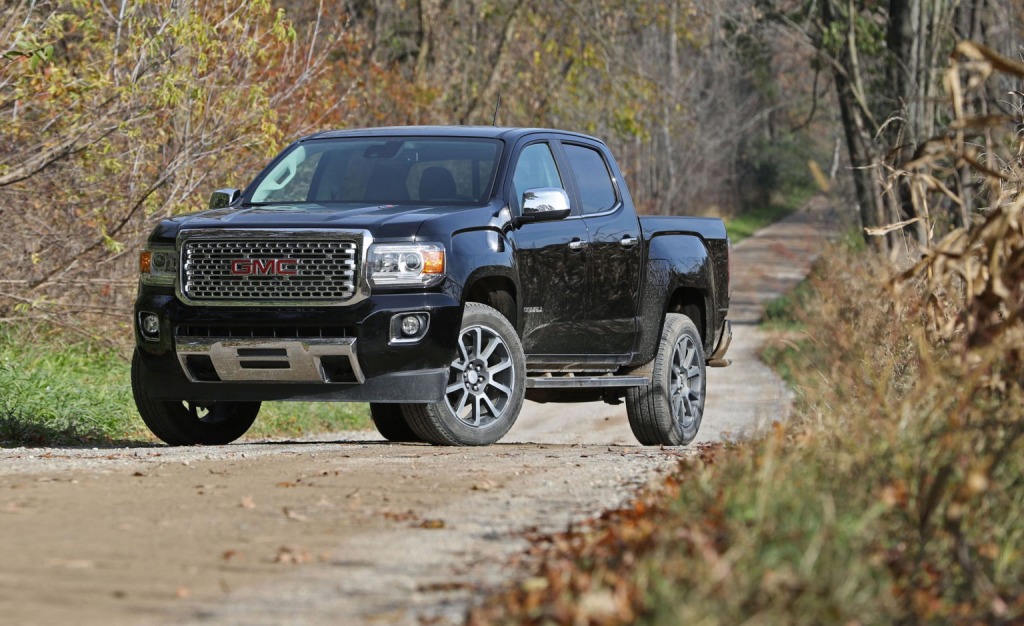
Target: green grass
[
  {"x": 55, "y": 392},
  {"x": 292, "y": 419},
  {"x": 754, "y": 219}
]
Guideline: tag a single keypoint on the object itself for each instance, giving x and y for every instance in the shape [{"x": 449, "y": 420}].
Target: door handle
[
  {"x": 629, "y": 242},
  {"x": 577, "y": 244}
]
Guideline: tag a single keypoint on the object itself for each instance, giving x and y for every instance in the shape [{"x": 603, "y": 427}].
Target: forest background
[{"x": 116, "y": 114}]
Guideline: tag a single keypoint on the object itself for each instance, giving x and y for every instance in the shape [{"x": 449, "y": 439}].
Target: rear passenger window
[{"x": 597, "y": 192}]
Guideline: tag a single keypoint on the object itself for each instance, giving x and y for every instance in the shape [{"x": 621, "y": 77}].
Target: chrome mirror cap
[
  {"x": 545, "y": 203},
  {"x": 223, "y": 198}
]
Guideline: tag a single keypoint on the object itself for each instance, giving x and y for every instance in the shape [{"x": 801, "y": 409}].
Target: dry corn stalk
[{"x": 975, "y": 274}]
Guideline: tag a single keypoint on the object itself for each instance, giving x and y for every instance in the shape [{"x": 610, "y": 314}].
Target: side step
[{"x": 578, "y": 382}]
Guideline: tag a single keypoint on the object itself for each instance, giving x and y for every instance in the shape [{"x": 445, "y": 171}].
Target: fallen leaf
[
  {"x": 453, "y": 585},
  {"x": 432, "y": 524},
  {"x": 289, "y": 555},
  {"x": 537, "y": 583},
  {"x": 486, "y": 485},
  {"x": 406, "y": 516},
  {"x": 182, "y": 593},
  {"x": 138, "y": 474},
  {"x": 230, "y": 554},
  {"x": 286, "y": 484},
  {"x": 247, "y": 503},
  {"x": 292, "y": 515}
]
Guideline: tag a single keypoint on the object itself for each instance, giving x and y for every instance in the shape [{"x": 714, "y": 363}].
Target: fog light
[
  {"x": 409, "y": 327},
  {"x": 149, "y": 324}
]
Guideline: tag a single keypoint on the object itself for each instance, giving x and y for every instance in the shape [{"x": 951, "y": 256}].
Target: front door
[{"x": 553, "y": 259}]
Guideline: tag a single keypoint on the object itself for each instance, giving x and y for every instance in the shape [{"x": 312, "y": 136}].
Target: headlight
[
  {"x": 405, "y": 265},
  {"x": 158, "y": 265}
]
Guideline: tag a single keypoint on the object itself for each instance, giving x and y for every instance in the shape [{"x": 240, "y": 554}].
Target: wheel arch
[
  {"x": 496, "y": 291},
  {"x": 693, "y": 303}
]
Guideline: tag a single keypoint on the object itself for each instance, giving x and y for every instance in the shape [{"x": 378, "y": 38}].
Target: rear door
[{"x": 615, "y": 251}]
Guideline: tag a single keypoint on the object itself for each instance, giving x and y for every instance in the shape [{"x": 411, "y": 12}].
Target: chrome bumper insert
[{"x": 269, "y": 360}]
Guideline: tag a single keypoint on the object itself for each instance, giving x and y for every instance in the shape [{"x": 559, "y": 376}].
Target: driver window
[{"x": 535, "y": 168}]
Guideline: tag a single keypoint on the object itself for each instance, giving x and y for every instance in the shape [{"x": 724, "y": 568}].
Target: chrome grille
[{"x": 238, "y": 270}]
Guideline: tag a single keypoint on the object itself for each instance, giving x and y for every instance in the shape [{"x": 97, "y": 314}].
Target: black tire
[
  {"x": 486, "y": 385},
  {"x": 669, "y": 411},
  {"x": 183, "y": 423},
  {"x": 391, "y": 424}
]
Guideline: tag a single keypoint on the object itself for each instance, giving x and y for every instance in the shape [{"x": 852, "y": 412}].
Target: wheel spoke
[
  {"x": 465, "y": 354},
  {"x": 462, "y": 402},
  {"x": 479, "y": 340},
  {"x": 490, "y": 405},
  {"x": 492, "y": 345},
  {"x": 693, "y": 372},
  {"x": 455, "y": 387},
  {"x": 500, "y": 367},
  {"x": 478, "y": 411},
  {"x": 501, "y": 388}
]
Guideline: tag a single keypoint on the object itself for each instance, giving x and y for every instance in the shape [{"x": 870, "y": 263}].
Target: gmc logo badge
[{"x": 264, "y": 267}]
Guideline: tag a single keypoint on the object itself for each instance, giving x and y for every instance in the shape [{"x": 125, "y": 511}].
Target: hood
[{"x": 384, "y": 222}]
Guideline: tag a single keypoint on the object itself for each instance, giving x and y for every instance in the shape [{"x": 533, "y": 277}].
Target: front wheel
[
  {"x": 486, "y": 385},
  {"x": 669, "y": 411},
  {"x": 184, "y": 423}
]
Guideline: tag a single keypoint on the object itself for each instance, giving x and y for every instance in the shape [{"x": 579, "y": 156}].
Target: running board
[{"x": 577, "y": 382}]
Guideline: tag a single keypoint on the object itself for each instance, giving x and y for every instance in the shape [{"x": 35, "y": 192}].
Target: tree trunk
[{"x": 858, "y": 126}]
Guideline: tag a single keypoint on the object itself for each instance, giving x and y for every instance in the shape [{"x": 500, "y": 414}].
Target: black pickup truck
[{"x": 442, "y": 274}]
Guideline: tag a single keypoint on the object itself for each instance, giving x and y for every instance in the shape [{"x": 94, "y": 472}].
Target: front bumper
[{"x": 314, "y": 353}]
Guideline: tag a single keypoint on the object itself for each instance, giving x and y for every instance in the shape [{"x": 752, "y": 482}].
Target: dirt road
[{"x": 348, "y": 529}]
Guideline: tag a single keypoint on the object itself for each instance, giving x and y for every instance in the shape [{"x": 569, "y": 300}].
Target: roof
[{"x": 486, "y": 132}]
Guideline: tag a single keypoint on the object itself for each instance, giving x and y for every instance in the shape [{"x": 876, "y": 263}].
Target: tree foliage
[{"x": 116, "y": 114}]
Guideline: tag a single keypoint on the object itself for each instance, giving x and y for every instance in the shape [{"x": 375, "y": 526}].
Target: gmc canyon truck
[{"x": 441, "y": 274}]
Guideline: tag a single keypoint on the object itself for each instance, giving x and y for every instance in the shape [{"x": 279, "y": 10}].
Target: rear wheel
[
  {"x": 486, "y": 385},
  {"x": 391, "y": 423},
  {"x": 184, "y": 423},
  {"x": 669, "y": 411}
]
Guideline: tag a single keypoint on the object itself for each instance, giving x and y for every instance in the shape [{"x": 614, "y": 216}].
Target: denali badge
[{"x": 264, "y": 267}]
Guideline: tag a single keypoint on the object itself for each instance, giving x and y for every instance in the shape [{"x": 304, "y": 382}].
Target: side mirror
[
  {"x": 223, "y": 198},
  {"x": 544, "y": 204}
]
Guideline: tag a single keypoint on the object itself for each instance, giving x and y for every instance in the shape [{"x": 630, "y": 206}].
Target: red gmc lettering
[{"x": 264, "y": 267}]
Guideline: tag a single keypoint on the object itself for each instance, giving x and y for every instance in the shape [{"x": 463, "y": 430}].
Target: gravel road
[{"x": 348, "y": 528}]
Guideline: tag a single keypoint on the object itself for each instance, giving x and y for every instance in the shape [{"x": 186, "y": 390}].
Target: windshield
[{"x": 386, "y": 170}]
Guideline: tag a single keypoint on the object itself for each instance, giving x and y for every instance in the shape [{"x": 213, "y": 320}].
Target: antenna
[{"x": 497, "y": 105}]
